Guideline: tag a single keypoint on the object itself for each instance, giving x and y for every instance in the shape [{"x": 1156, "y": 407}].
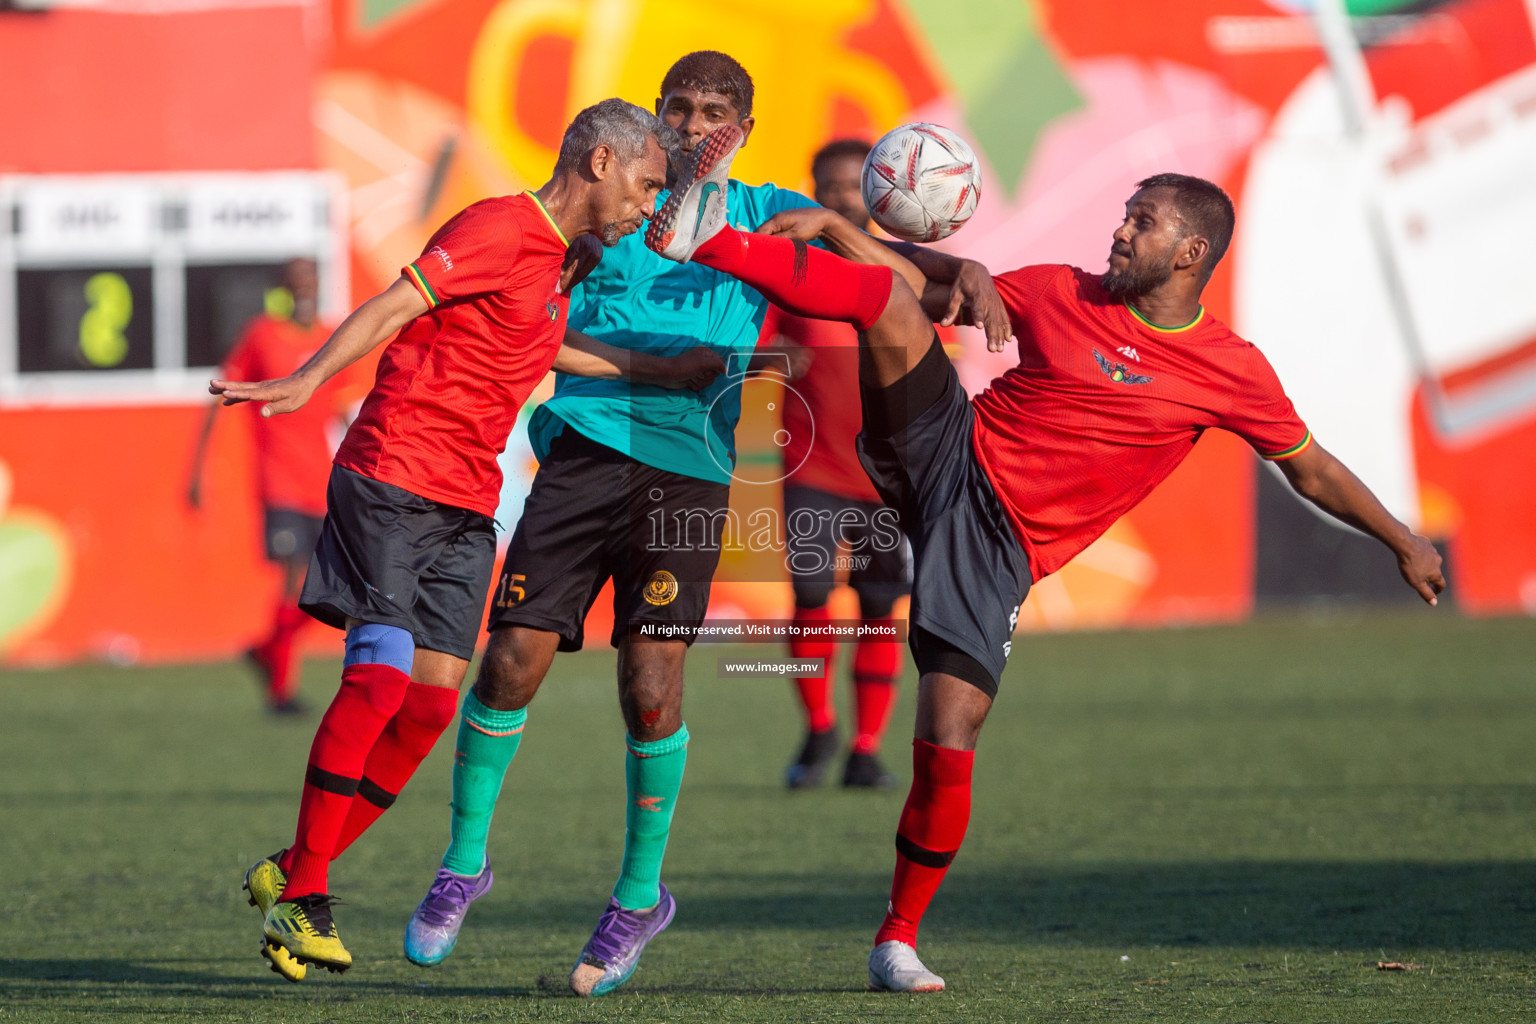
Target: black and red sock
[
  {"x": 815, "y": 691},
  {"x": 369, "y": 697},
  {"x": 799, "y": 279},
  {"x": 406, "y": 741},
  {"x": 875, "y": 666},
  {"x": 932, "y": 827}
]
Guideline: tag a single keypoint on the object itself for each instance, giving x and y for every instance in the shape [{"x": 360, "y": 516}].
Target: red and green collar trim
[
  {"x": 556, "y": 227},
  {"x": 1159, "y": 328}
]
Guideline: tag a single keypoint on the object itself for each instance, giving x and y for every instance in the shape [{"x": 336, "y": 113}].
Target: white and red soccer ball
[{"x": 921, "y": 182}]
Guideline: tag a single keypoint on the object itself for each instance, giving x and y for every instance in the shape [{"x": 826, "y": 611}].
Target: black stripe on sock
[
  {"x": 376, "y": 794},
  {"x": 922, "y": 855},
  {"x": 330, "y": 782}
]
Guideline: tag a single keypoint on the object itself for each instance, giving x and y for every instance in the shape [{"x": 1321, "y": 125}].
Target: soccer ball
[{"x": 921, "y": 182}]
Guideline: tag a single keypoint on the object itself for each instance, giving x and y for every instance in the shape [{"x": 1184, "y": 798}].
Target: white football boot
[
  {"x": 894, "y": 967},
  {"x": 695, "y": 211}
]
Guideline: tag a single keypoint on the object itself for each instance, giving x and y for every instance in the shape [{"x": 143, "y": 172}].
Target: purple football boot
[
  {"x": 613, "y": 951},
  {"x": 433, "y": 930}
]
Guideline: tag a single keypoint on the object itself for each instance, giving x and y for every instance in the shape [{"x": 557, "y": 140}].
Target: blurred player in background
[
  {"x": 1119, "y": 375},
  {"x": 405, "y": 555},
  {"x": 824, "y": 485},
  {"x": 293, "y": 462}
]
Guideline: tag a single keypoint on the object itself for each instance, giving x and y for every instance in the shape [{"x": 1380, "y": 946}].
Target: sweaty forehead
[
  {"x": 1159, "y": 202},
  {"x": 684, "y": 96}
]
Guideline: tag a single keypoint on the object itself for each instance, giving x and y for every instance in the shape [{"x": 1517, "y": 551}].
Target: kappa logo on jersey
[
  {"x": 442, "y": 256},
  {"x": 1116, "y": 371},
  {"x": 661, "y": 588},
  {"x": 1129, "y": 351}
]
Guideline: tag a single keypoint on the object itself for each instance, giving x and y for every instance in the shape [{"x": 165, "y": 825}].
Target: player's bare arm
[
  {"x": 369, "y": 326},
  {"x": 1322, "y": 479},
  {"x": 952, "y": 290},
  {"x": 584, "y": 356}
]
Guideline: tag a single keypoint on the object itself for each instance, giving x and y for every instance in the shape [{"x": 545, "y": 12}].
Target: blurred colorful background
[{"x": 1379, "y": 154}]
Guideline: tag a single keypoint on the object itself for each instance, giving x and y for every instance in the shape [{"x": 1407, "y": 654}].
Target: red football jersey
[
  {"x": 293, "y": 452},
  {"x": 1103, "y": 405},
  {"x": 822, "y": 428},
  {"x": 449, "y": 387}
]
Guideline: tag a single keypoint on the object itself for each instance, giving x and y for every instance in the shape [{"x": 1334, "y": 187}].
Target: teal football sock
[
  {"x": 654, "y": 775},
  {"x": 486, "y": 744}
]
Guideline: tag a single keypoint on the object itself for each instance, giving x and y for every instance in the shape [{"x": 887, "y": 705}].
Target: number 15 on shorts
[{"x": 510, "y": 591}]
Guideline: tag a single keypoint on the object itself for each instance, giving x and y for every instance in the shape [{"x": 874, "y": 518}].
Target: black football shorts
[
  {"x": 970, "y": 572},
  {"x": 389, "y": 556},
  {"x": 594, "y": 513}
]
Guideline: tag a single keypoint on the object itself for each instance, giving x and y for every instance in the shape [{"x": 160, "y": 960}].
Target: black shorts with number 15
[{"x": 596, "y": 513}]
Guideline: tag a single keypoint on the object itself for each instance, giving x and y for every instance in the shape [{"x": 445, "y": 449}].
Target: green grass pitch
[{"x": 1227, "y": 824}]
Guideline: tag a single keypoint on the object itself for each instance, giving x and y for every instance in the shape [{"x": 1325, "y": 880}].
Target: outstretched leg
[{"x": 802, "y": 280}]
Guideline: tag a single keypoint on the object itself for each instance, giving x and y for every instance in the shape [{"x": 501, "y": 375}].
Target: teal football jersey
[{"x": 637, "y": 300}]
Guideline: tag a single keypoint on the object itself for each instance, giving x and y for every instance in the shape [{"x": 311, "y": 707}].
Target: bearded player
[
  {"x": 1002, "y": 490},
  {"x": 829, "y": 503},
  {"x": 615, "y": 458},
  {"x": 405, "y": 555}
]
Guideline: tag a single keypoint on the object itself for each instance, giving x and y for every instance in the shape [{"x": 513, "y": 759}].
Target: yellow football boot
[
  {"x": 264, "y": 883},
  {"x": 305, "y": 929}
]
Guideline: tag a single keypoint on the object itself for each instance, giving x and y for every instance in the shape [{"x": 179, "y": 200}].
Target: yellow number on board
[{"x": 102, "y": 341}]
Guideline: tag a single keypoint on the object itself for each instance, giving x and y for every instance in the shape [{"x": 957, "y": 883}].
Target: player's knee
[
  {"x": 508, "y": 676},
  {"x": 373, "y": 643}
]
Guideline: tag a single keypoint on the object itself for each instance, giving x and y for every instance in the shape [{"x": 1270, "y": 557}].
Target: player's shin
[
  {"x": 487, "y": 741},
  {"x": 373, "y": 685},
  {"x": 815, "y": 691},
  {"x": 799, "y": 279},
  {"x": 653, "y": 773},
  {"x": 875, "y": 665},
  {"x": 406, "y": 741},
  {"x": 930, "y": 832}
]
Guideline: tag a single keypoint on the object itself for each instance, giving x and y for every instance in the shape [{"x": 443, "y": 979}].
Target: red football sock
[
  {"x": 369, "y": 697},
  {"x": 799, "y": 279},
  {"x": 875, "y": 665},
  {"x": 929, "y": 835},
  {"x": 404, "y": 744},
  {"x": 815, "y": 692},
  {"x": 278, "y": 650}
]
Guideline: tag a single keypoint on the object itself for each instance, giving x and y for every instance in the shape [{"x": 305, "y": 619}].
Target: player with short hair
[
  {"x": 405, "y": 555},
  {"x": 293, "y": 462},
  {"x": 828, "y": 502},
  {"x": 1001, "y": 490},
  {"x": 615, "y": 459}
]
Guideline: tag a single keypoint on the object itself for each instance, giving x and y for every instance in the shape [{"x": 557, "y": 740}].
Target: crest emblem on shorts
[
  {"x": 661, "y": 589},
  {"x": 1117, "y": 372}
]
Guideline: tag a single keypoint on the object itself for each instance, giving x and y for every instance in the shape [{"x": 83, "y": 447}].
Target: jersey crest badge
[
  {"x": 661, "y": 588},
  {"x": 1117, "y": 372}
]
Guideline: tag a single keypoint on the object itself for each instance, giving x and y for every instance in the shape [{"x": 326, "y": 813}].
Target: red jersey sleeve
[
  {"x": 1262, "y": 415},
  {"x": 1022, "y": 288},
  {"x": 472, "y": 254}
]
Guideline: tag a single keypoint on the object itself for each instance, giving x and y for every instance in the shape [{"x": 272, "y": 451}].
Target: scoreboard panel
[{"x": 121, "y": 287}]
